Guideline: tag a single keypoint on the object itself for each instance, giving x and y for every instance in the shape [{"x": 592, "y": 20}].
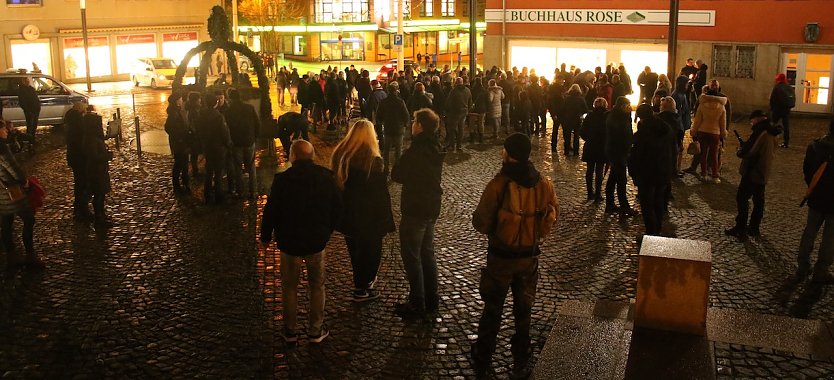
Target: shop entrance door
[{"x": 810, "y": 75}]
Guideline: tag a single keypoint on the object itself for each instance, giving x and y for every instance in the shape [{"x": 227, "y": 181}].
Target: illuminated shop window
[
  {"x": 130, "y": 48},
  {"x": 342, "y": 11},
  {"x": 176, "y": 45},
  {"x": 26, "y": 54},
  {"x": 447, "y": 8},
  {"x": 99, "y": 54}
]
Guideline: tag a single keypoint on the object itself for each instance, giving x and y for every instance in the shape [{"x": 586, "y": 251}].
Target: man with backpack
[
  {"x": 782, "y": 99},
  {"x": 819, "y": 175},
  {"x": 517, "y": 210}
]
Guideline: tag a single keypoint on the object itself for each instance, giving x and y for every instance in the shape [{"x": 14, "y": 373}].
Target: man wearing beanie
[{"x": 516, "y": 211}]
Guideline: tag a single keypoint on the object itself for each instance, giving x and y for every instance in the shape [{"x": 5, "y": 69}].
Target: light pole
[
  {"x": 674, "y": 8},
  {"x": 473, "y": 37},
  {"x": 86, "y": 47}
]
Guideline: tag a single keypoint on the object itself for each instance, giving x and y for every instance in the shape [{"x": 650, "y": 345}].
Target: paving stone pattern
[{"x": 178, "y": 289}]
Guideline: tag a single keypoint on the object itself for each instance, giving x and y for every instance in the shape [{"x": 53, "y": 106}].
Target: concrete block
[{"x": 673, "y": 280}]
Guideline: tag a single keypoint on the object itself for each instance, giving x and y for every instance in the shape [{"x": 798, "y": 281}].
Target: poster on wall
[{"x": 24, "y": 3}]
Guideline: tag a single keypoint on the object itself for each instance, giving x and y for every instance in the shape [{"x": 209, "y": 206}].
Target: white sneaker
[{"x": 716, "y": 180}]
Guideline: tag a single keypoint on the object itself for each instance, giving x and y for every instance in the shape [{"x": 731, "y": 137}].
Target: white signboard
[{"x": 600, "y": 16}]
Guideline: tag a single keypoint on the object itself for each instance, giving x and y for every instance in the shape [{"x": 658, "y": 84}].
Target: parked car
[
  {"x": 391, "y": 65},
  {"x": 154, "y": 72},
  {"x": 56, "y": 98}
]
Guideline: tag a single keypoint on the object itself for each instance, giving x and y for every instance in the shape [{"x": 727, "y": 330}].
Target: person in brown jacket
[
  {"x": 709, "y": 129},
  {"x": 517, "y": 210}
]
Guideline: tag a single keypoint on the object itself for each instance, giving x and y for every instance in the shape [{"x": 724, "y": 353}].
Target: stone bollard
[{"x": 673, "y": 280}]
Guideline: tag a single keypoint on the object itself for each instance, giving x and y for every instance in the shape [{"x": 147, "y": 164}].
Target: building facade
[
  {"x": 744, "y": 43},
  {"x": 48, "y": 34},
  {"x": 363, "y": 30}
]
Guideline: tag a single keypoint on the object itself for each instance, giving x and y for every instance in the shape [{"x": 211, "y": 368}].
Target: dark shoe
[
  {"x": 784, "y": 146},
  {"x": 33, "y": 263},
  {"x": 591, "y": 197},
  {"x": 802, "y": 273},
  {"x": 480, "y": 365},
  {"x": 629, "y": 212},
  {"x": 409, "y": 310},
  {"x": 754, "y": 232},
  {"x": 520, "y": 371},
  {"x": 103, "y": 222},
  {"x": 691, "y": 170},
  {"x": 611, "y": 209},
  {"x": 324, "y": 333},
  {"x": 823, "y": 278},
  {"x": 736, "y": 232},
  {"x": 597, "y": 198},
  {"x": 362, "y": 295}
]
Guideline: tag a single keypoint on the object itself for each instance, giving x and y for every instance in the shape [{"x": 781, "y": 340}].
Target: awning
[{"x": 132, "y": 28}]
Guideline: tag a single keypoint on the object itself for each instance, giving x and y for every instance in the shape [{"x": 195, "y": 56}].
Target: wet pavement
[{"x": 177, "y": 289}]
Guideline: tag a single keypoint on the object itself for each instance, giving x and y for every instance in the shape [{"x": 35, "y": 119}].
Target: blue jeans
[
  {"x": 417, "y": 251},
  {"x": 390, "y": 142},
  {"x": 816, "y": 219}
]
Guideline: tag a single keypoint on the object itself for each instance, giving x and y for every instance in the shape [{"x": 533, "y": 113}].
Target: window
[
  {"x": 328, "y": 11},
  {"x": 447, "y": 8},
  {"x": 427, "y": 8},
  {"x": 721, "y": 60},
  {"x": 745, "y": 62},
  {"x": 730, "y": 61}
]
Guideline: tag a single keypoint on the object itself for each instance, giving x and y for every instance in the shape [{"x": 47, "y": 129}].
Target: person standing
[
  {"x": 647, "y": 80},
  {"x": 496, "y": 98},
  {"x": 294, "y": 80},
  {"x": 516, "y": 211},
  {"x": 176, "y": 125},
  {"x": 756, "y": 160},
  {"x": 282, "y": 82},
  {"x": 820, "y": 209},
  {"x": 593, "y": 151},
  {"x": 572, "y": 111},
  {"x": 214, "y": 133},
  {"x": 13, "y": 203},
  {"x": 651, "y": 165},
  {"x": 77, "y": 161},
  {"x": 192, "y": 112},
  {"x": 97, "y": 158},
  {"x": 458, "y": 105},
  {"x": 393, "y": 115},
  {"x": 244, "y": 128},
  {"x": 782, "y": 100},
  {"x": 420, "y": 171},
  {"x": 303, "y": 209},
  {"x": 709, "y": 129},
  {"x": 618, "y": 137},
  {"x": 681, "y": 96},
  {"x": 367, "y": 215},
  {"x": 30, "y": 103}
]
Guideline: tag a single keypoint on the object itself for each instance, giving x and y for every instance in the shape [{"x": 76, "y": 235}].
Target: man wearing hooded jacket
[
  {"x": 512, "y": 264},
  {"x": 820, "y": 209}
]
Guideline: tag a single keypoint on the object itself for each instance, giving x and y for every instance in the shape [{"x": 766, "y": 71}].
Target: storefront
[{"x": 744, "y": 57}]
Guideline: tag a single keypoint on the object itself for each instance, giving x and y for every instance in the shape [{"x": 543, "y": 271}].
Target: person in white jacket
[{"x": 709, "y": 129}]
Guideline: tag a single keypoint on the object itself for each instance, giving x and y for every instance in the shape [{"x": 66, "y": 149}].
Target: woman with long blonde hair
[{"x": 358, "y": 167}]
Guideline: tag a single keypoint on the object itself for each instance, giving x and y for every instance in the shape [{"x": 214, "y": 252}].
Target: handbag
[
  {"x": 15, "y": 192},
  {"x": 36, "y": 193},
  {"x": 694, "y": 148}
]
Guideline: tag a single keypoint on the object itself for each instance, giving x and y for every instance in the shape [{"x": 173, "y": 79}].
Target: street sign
[{"x": 398, "y": 40}]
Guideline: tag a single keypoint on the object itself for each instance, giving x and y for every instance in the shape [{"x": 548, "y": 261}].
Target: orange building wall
[{"x": 774, "y": 21}]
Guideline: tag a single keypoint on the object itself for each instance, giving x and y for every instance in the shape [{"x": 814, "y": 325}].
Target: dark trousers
[
  {"x": 213, "y": 182},
  {"x": 79, "y": 189},
  {"x": 454, "y": 130},
  {"x": 593, "y": 177},
  {"x": 417, "y": 251},
  {"x": 616, "y": 179},
  {"x": 747, "y": 190},
  {"x": 653, "y": 204},
  {"x": 365, "y": 256},
  {"x": 554, "y": 136},
  {"x": 180, "y": 170},
  {"x": 7, "y": 231},
  {"x": 98, "y": 204},
  {"x": 570, "y": 135},
  {"x": 784, "y": 117},
  {"x": 499, "y": 276},
  {"x": 31, "y": 121}
]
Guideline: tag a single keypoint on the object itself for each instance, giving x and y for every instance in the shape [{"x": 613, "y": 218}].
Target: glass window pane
[
  {"x": 721, "y": 60},
  {"x": 745, "y": 62}
]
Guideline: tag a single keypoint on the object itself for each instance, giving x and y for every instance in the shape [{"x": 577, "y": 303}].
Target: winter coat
[
  {"x": 331, "y": 92},
  {"x": 418, "y": 101},
  {"x": 555, "y": 99},
  {"x": 439, "y": 101},
  {"x": 593, "y": 133},
  {"x": 779, "y": 98},
  {"x": 672, "y": 119},
  {"x": 618, "y": 136},
  {"x": 282, "y": 80},
  {"x": 819, "y": 151},
  {"x": 480, "y": 100},
  {"x": 74, "y": 122},
  {"x": 606, "y": 92},
  {"x": 315, "y": 94},
  {"x": 374, "y": 101},
  {"x": 711, "y": 116},
  {"x": 10, "y": 174},
  {"x": 757, "y": 153},
  {"x": 681, "y": 97},
  {"x": 496, "y": 96},
  {"x": 393, "y": 115},
  {"x": 244, "y": 125},
  {"x": 303, "y": 209},
  {"x": 459, "y": 101},
  {"x": 573, "y": 110},
  {"x": 363, "y": 87},
  {"x": 521, "y": 176},
  {"x": 653, "y": 156},
  {"x": 28, "y": 99},
  {"x": 420, "y": 170},
  {"x": 367, "y": 204},
  {"x": 214, "y": 133},
  {"x": 176, "y": 125},
  {"x": 98, "y": 156}
]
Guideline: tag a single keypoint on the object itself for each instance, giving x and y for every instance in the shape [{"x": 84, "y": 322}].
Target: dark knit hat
[{"x": 518, "y": 147}]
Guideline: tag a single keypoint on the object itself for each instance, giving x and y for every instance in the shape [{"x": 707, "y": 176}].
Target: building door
[{"x": 810, "y": 76}]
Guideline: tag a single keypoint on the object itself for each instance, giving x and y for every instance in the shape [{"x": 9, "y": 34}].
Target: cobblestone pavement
[{"x": 177, "y": 289}]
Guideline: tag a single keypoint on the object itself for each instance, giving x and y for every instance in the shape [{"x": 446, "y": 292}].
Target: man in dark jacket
[
  {"x": 29, "y": 101},
  {"x": 393, "y": 115},
  {"x": 292, "y": 126},
  {"x": 419, "y": 99},
  {"x": 363, "y": 91},
  {"x": 176, "y": 125},
  {"x": 458, "y": 105},
  {"x": 513, "y": 250},
  {"x": 647, "y": 80},
  {"x": 303, "y": 209},
  {"x": 419, "y": 171},
  {"x": 651, "y": 166},
  {"x": 820, "y": 209},
  {"x": 244, "y": 128},
  {"x": 214, "y": 133},
  {"x": 756, "y": 159},
  {"x": 618, "y": 139},
  {"x": 782, "y": 99},
  {"x": 76, "y": 158}
]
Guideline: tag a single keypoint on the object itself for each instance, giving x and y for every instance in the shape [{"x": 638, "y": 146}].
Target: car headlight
[{"x": 162, "y": 77}]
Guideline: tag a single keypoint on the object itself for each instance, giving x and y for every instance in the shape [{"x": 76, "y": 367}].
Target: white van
[{"x": 154, "y": 72}]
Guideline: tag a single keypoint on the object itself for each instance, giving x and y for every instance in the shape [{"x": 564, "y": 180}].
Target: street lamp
[{"x": 84, "y": 36}]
